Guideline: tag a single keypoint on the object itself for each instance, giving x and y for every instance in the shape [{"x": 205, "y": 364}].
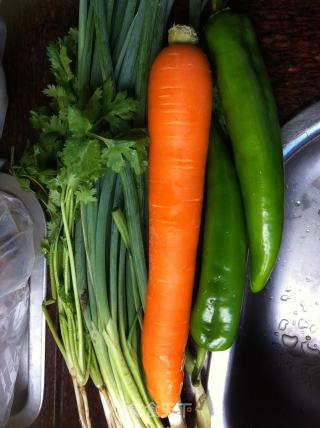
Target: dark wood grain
[
  {"x": 31, "y": 24},
  {"x": 289, "y": 34}
]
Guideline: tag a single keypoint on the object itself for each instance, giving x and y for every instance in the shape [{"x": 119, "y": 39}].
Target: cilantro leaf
[
  {"x": 79, "y": 125},
  {"x": 39, "y": 118},
  {"x": 113, "y": 158},
  {"x": 71, "y": 41},
  {"x": 83, "y": 158},
  {"x": 86, "y": 194},
  {"x": 55, "y": 197},
  {"x": 47, "y": 148},
  {"x": 62, "y": 98},
  {"x": 53, "y": 227},
  {"x": 118, "y": 152},
  {"x": 93, "y": 108},
  {"x": 55, "y": 125},
  {"x": 137, "y": 157},
  {"x": 65, "y": 178},
  {"x": 60, "y": 62},
  {"x": 119, "y": 110}
]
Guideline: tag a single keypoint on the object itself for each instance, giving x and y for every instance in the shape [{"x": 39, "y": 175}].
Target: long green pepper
[
  {"x": 251, "y": 117},
  {"x": 216, "y": 312}
]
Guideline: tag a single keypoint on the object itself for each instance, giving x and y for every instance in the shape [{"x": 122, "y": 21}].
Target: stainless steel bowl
[
  {"x": 271, "y": 376},
  {"x": 28, "y": 394}
]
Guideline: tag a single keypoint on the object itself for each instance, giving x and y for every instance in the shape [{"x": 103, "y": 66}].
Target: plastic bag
[
  {"x": 16, "y": 244},
  {"x": 14, "y": 311},
  {"x": 16, "y": 262}
]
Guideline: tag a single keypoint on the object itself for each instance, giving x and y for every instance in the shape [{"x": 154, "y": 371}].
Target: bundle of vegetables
[{"x": 88, "y": 169}]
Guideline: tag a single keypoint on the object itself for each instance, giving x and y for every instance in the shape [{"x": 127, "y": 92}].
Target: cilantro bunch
[{"x": 77, "y": 144}]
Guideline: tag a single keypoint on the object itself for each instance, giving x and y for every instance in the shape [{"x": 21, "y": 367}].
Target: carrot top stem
[{"x": 182, "y": 34}]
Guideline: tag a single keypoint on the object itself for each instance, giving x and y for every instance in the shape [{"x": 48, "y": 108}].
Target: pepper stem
[
  {"x": 201, "y": 356},
  {"x": 182, "y": 34}
]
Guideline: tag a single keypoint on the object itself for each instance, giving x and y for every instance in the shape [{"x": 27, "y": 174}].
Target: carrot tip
[{"x": 163, "y": 410}]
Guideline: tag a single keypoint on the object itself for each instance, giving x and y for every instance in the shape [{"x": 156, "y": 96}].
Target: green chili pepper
[
  {"x": 251, "y": 117},
  {"x": 216, "y": 312}
]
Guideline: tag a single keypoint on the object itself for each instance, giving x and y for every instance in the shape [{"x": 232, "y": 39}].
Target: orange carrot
[{"x": 180, "y": 102}]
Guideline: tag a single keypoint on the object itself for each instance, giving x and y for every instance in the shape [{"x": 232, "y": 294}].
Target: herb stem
[
  {"x": 65, "y": 338},
  {"x": 73, "y": 353},
  {"x": 75, "y": 288},
  {"x": 55, "y": 252},
  {"x": 66, "y": 270},
  {"x": 53, "y": 284},
  {"x": 54, "y": 332}
]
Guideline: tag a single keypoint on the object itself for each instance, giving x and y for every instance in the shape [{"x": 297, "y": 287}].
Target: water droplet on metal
[
  {"x": 288, "y": 289},
  {"x": 303, "y": 305},
  {"x": 297, "y": 203},
  {"x": 295, "y": 312},
  {"x": 283, "y": 324},
  {"x": 308, "y": 349},
  {"x": 313, "y": 328},
  {"x": 284, "y": 297},
  {"x": 289, "y": 341},
  {"x": 303, "y": 324},
  {"x": 308, "y": 338},
  {"x": 270, "y": 297},
  {"x": 276, "y": 333}
]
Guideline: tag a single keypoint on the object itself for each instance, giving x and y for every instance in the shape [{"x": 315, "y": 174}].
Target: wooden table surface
[{"x": 289, "y": 34}]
